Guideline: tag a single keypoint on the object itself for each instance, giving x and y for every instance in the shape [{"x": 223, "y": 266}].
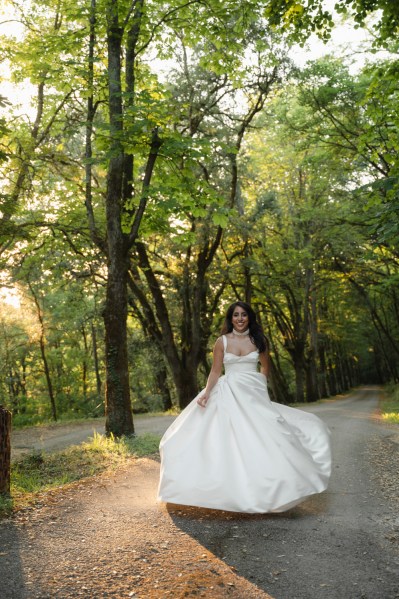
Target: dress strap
[{"x": 224, "y": 342}]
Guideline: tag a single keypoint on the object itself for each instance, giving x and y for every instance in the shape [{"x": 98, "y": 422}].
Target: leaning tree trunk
[
  {"x": 277, "y": 384},
  {"x": 186, "y": 382},
  {"x": 297, "y": 353},
  {"x": 42, "y": 345},
  {"x": 84, "y": 364},
  {"x": 5, "y": 451},
  {"x": 161, "y": 381},
  {"x": 48, "y": 378}
]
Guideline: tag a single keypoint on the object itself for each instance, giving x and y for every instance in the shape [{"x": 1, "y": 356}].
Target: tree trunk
[
  {"x": 180, "y": 366},
  {"x": 323, "y": 382},
  {"x": 42, "y": 345},
  {"x": 248, "y": 287},
  {"x": 277, "y": 384},
  {"x": 118, "y": 411},
  {"x": 48, "y": 377},
  {"x": 96, "y": 363},
  {"x": 332, "y": 378},
  {"x": 91, "y": 111},
  {"x": 312, "y": 393},
  {"x": 186, "y": 382},
  {"x": 5, "y": 450},
  {"x": 23, "y": 386},
  {"x": 342, "y": 385},
  {"x": 84, "y": 364},
  {"x": 379, "y": 365},
  {"x": 299, "y": 378},
  {"x": 161, "y": 377},
  {"x": 184, "y": 359},
  {"x": 312, "y": 387},
  {"x": 277, "y": 379}
]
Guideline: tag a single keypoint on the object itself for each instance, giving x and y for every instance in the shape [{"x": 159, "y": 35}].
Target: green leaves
[
  {"x": 220, "y": 219},
  {"x": 300, "y": 18}
]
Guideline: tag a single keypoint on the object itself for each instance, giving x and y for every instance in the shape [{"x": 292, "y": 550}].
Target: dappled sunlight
[{"x": 10, "y": 297}]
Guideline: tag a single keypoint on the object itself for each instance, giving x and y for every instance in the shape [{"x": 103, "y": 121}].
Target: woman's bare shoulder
[{"x": 220, "y": 344}]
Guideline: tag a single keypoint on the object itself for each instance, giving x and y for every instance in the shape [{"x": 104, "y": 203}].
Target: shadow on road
[
  {"x": 258, "y": 547},
  {"x": 14, "y": 580},
  {"x": 342, "y": 543}
]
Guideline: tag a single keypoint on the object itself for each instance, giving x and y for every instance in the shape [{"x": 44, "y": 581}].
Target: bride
[{"x": 234, "y": 449}]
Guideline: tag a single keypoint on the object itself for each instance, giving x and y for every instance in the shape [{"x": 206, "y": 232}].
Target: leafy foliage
[
  {"x": 300, "y": 18},
  {"x": 270, "y": 185}
]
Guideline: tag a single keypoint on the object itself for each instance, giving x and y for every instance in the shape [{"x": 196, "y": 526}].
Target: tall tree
[
  {"x": 208, "y": 140},
  {"x": 298, "y": 202}
]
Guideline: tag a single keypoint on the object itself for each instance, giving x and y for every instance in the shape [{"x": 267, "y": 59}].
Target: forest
[{"x": 173, "y": 158}]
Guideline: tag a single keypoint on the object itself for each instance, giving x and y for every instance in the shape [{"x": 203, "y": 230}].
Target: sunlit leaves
[{"x": 300, "y": 18}]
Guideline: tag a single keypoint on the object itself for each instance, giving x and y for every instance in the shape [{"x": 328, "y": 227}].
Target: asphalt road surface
[{"x": 342, "y": 544}]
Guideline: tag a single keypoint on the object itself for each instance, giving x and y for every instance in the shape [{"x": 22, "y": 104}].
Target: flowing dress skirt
[{"x": 243, "y": 452}]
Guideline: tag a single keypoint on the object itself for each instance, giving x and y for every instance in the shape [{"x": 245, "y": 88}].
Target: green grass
[
  {"x": 6, "y": 506},
  {"x": 389, "y": 405},
  {"x": 39, "y": 472}
]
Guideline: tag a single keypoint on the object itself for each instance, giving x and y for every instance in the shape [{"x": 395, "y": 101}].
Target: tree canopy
[
  {"x": 300, "y": 18},
  {"x": 173, "y": 159}
]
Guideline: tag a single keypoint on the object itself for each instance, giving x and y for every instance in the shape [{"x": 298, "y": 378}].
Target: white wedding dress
[{"x": 243, "y": 452}]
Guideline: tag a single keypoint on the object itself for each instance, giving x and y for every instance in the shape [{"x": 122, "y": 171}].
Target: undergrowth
[
  {"x": 389, "y": 405},
  {"x": 39, "y": 472}
]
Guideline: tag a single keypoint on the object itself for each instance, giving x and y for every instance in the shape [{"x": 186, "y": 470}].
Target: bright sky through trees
[
  {"x": 143, "y": 193},
  {"x": 345, "y": 40}
]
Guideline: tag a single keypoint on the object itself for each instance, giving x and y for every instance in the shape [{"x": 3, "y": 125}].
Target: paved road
[
  {"x": 56, "y": 437},
  {"x": 342, "y": 544}
]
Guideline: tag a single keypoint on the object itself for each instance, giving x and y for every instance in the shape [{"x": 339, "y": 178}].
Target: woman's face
[{"x": 240, "y": 319}]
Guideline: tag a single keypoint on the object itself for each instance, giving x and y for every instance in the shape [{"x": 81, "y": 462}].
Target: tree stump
[{"x": 5, "y": 450}]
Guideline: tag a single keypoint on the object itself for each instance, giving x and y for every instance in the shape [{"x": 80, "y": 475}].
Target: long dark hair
[{"x": 255, "y": 330}]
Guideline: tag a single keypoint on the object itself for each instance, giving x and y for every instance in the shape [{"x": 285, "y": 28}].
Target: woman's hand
[
  {"x": 203, "y": 400},
  {"x": 218, "y": 353}
]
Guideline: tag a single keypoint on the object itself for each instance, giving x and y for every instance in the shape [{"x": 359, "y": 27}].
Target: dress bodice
[
  {"x": 234, "y": 363},
  {"x": 248, "y": 363}
]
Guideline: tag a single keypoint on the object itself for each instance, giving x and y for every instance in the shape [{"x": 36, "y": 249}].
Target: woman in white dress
[{"x": 232, "y": 448}]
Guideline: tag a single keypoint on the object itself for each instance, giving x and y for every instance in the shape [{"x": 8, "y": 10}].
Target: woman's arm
[
  {"x": 218, "y": 352},
  {"x": 264, "y": 360}
]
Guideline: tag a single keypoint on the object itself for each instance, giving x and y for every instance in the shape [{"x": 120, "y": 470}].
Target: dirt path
[{"x": 108, "y": 537}]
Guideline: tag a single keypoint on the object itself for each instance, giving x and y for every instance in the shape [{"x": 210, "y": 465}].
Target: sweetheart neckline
[{"x": 255, "y": 351}]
